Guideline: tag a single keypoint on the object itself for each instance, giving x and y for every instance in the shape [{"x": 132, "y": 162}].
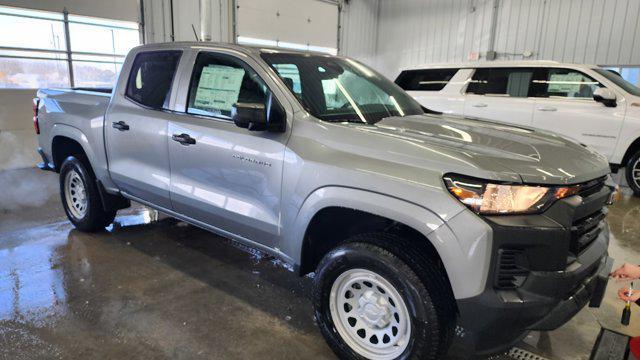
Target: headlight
[{"x": 484, "y": 197}]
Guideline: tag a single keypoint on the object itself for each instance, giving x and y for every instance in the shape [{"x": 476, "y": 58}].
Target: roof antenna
[{"x": 195, "y": 33}]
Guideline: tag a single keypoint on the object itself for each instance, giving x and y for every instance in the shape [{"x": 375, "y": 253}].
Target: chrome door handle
[
  {"x": 183, "y": 139},
  {"x": 480, "y": 105},
  {"x": 547, "y": 108}
]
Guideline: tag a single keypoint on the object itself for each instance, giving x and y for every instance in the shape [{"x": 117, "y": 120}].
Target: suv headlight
[{"x": 492, "y": 198}]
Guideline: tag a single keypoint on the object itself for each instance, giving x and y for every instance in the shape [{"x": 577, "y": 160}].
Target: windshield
[
  {"x": 338, "y": 89},
  {"x": 618, "y": 80}
]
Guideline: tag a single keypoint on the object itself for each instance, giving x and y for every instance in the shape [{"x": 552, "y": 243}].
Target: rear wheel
[
  {"x": 633, "y": 173},
  {"x": 80, "y": 197},
  {"x": 371, "y": 304}
]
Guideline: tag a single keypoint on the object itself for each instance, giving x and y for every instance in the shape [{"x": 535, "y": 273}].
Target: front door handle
[
  {"x": 547, "y": 108},
  {"x": 480, "y": 105},
  {"x": 120, "y": 125},
  {"x": 183, "y": 139}
]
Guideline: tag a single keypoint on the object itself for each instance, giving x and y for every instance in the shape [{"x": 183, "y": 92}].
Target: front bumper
[{"x": 548, "y": 280}]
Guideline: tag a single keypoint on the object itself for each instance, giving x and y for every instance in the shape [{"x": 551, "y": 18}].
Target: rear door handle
[
  {"x": 120, "y": 125},
  {"x": 479, "y": 105},
  {"x": 547, "y": 108},
  {"x": 183, "y": 139}
]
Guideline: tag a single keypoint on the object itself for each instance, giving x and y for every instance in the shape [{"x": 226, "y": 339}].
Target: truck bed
[{"x": 78, "y": 112}]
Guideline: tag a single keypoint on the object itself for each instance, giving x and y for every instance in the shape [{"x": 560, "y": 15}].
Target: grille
[
  {"x": 585, "y": 230},
  {"x": 510, "y": 274},
  {"x": 591, "y": 187}
]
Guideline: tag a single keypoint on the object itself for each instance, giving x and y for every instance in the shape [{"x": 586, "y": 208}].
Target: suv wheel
[
  {"x": 370, "y": 304},
  {"x": 80, "y": 197},
  {"x": 633, "y": 173}
]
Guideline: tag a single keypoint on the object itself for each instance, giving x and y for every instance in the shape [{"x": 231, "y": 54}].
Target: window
[
  {"x": 565, "y": 83},
  {"x": 151, "y": 77},
  {"x": 341, "y": 90},
  {"x": 512, "y": 82},
  {"x": 291, "y": 76},
  {"x": 219, "y": 82},
  {"x": 425, "y": 80},
  {"x": 33, "y": 49}
]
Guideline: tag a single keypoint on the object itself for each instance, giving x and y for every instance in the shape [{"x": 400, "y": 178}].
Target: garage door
[{"x": 304, "y": 24}]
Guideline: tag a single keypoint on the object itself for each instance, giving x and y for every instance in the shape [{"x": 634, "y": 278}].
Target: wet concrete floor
[{"x": 151, "y": 287}]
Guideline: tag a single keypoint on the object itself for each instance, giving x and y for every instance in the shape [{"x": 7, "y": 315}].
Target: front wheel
[
  {"x": 370, "y": 304},
  {"x": 633, "y": 173},
  {"x": 80, "y": 197}
]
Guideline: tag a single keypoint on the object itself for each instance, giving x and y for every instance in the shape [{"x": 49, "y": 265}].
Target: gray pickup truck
[{"x": 417, "y": 226}]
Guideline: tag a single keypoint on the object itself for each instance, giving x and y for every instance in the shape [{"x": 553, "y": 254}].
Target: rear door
[
  {"x": 564, "y": 104},
  {"x": 136, "y": 128},
  {"x": 436, "y": 89},
  {"x": 225, "y": 176},
  {"x": 500, "y": 94}
]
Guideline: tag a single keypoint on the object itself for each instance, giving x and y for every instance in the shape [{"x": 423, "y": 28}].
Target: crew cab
[
  {"x": 413, "y": 222},
  {"x": 593, "y": 105}
]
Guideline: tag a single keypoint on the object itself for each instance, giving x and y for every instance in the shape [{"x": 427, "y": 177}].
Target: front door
[
  {"x": 564, "y": 104},
  {"x": 223, "y": 175},
  {"x": 136, "y": 129}
]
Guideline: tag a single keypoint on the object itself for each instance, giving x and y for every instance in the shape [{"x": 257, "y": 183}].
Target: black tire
[
  {"x": 421, "y": 282},
  {"x": 633, "y": 163},
  {"x": 95, "y": 217}
]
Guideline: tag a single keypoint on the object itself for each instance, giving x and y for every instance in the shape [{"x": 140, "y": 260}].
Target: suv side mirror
[
  {"x": 605, "y": 96},
  {"x": 258, "y": 117}
]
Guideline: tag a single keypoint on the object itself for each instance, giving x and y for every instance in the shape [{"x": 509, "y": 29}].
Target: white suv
[{"x": 585, "y": 102}]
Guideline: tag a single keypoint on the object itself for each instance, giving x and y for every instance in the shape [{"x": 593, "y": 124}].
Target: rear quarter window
[
  {"x": 425, "y": 80},
  {"x": 151, "y": 77}
]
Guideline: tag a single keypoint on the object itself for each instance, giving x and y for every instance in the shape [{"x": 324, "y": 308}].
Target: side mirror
[
  {"x": 252, "y": 116},
  {"x": 258, "y": 117},
  {"x": 605, "y": 96}
]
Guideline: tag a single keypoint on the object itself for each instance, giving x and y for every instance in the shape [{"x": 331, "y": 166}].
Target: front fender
[{"x": 465, "y": 260}]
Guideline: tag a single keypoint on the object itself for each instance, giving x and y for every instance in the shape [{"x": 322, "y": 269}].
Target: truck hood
[{"x": 536, "y": 156}]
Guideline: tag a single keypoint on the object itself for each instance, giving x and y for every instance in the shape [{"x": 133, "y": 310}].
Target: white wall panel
[
  {"x": 359, "y": 29},
  {"x": 186, "y": 13},
  {"x": 413, "y": 32},
  {"x": 110, "y": 9}
]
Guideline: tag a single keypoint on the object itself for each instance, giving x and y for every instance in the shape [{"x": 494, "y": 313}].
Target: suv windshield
[
  {"x": 339, "y": 89},
  {"x": 618, "y": 80}
]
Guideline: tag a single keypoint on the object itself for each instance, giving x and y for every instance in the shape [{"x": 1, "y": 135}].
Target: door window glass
[
  {"x": 425, "y": 80},
  {"x": 513, "y": 82},
  {"x": 219, "y": 82},
  {"x": 151, "y": 77},
  {"x": 290, "y": 74},
  {"x": 567, "y": 83}
]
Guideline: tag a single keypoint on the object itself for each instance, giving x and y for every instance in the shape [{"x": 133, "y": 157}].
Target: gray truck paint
[{"x": 264, "y": 188}]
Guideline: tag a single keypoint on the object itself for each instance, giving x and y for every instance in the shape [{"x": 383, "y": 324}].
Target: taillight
[{"x": 36, "y": 126}]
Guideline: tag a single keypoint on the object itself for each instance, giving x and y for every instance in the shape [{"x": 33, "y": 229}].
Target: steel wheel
[
  {"x": 369, "y": 314},
  {"x": 75, "y": 194}
]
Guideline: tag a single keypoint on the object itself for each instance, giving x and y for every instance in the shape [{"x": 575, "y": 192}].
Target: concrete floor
[{"x": 153, "y": 287}]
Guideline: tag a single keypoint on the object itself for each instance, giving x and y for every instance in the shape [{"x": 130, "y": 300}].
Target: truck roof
[
  {"x": 504, "y": 63},
  {"x": 247, "y": 49}
]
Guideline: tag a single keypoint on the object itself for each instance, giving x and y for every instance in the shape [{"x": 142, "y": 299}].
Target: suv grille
[{"x": 511, "y": 274}]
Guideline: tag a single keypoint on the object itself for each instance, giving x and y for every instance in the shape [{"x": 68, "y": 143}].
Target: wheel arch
[
  {"x": 632, "y": 149},
  {"x": 67, "y": 141},
  {"x": 348, "y": 211}
]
